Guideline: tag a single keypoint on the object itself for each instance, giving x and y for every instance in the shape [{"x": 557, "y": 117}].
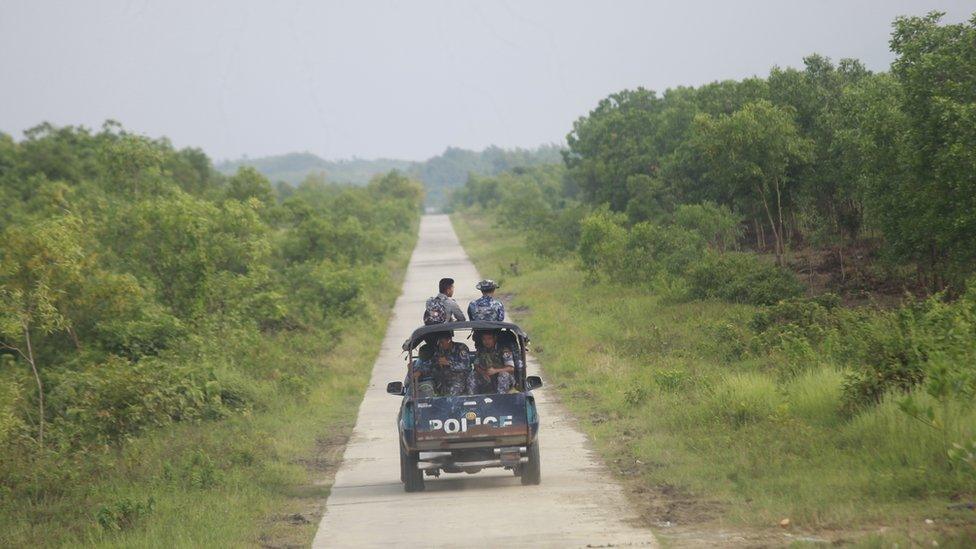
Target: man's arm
[
  {"x": 509, "y": 360},
  {"x": 471, "y": 310},
  {"x": 454, "y": 311},
  {"x": 501, "y": 311}
]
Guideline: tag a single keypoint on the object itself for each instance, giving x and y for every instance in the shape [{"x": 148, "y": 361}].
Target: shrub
[
  {"x": 117, "y": 399},
  {"x": 558, "y": 233},
  {"x": 652, "y": 249},
  {"x": 673, "y": 380},
  {"x": 890, "y": 358},
  {"x": 123, "y": 513},
  {"x": 10, "y": 402},
  {"x": 741, "y": 278},
  {"x": 602, "y": 243},
  {"x": 716, "y": 224},
  {"x": 895, "y": 351},
  {"x": 810, "y": 315},
  {"x": 744, "y": 398}
]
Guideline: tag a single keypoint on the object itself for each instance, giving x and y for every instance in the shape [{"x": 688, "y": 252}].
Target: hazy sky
[{"x": 396, "y": 79}]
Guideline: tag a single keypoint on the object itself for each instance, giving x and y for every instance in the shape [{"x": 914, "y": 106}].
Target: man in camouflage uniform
[
  {"x": 446, "y": 367},
  {"x": 444, "y": 304},
  {"x": 486, "y": 307},
  {"x": 494, "y": 370}
]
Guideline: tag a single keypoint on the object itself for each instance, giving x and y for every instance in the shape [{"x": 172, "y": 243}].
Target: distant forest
[{"x": 439, "y": 174}]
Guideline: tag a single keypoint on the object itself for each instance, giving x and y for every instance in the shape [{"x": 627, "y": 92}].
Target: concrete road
[{"x": 577, "y": 505}]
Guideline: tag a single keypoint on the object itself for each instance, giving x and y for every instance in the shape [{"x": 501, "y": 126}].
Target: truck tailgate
[{"x": 476, "y": 418}]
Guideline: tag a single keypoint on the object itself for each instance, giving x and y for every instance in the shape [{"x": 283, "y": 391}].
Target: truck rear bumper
[
  {"x": 448, "y": 445},
  {"x": 507, "y": 456}
]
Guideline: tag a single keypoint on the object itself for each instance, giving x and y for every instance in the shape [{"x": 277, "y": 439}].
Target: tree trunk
[
  {"x": 779, "y": 213},
  {"x": 772, "y": 226},
  {"x": 74, "y": 338},
  {"x": 840, "y": 258},
  {"x": 40, "y": 386}
]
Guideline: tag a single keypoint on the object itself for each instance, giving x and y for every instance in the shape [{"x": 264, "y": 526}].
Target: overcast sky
[{"x": 396, "y": 79}]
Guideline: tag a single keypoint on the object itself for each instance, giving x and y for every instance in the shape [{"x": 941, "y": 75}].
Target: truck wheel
[
  {"x": 532, "y": 471},
  {"x": 412, "y": 478}
]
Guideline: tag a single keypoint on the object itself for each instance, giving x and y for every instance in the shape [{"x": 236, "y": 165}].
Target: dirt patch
[
  {"x": 856, "y": 273},
  {"x": 297, "y": 520}
]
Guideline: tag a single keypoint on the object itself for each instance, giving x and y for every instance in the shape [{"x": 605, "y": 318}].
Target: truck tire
[
  {"x": 532, "y": 471},
  {"x": 412, "y": 478}
]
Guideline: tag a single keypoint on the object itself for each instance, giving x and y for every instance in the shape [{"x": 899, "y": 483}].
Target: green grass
[
  {"x": 676, "y": 404},
  {"x": 258, "y": 479}
]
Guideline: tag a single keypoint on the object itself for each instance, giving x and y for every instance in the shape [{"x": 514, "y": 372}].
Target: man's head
[
  {"x": 446, "y": 286},
  {"x": 444, "y": 341},
  {"x": 487, "y": 286},
  {"x": 489, "y": 339}
]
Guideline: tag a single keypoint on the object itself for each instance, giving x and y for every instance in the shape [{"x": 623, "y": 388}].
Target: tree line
[
  {"x": 137, "y": 283},
  {"x": 440, "y": 174},
  {"x": 830, "y": 156},
  {"x": 677, "y": 192}
]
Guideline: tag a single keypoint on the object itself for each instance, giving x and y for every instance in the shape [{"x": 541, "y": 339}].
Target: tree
[
  {"x": 936, "y": 67},
  {"x": 752, "y": 153},
  {"x": 617, "y": 140},
  {"x": 39, "y": 262},
  {"x": 248, "y": 183}
]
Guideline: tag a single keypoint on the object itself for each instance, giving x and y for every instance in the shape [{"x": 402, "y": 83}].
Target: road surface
[{"x": 577, "y": 505}]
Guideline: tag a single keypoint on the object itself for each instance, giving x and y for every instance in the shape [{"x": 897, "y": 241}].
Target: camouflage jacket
[
  {"x": 486, "y": 307},
  {"x": 452, "y": 378}
]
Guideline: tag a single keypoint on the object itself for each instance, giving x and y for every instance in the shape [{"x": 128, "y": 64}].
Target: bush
[
  {"x": 117, "y": 399},
  {"x": 11, "y": 401},
  {"x": 654, "y": 249},
  {"x": 744, "y": 398},
  {"x": 741, "y": 278},
  {"x": 603, "y": 241},
  {"x": 558, "y": 233},
  {"x": 124, "y": 513},
  {"x": 810, "y": 315},
  {"x": 897, "y": 350},
  {"x": 716, "y": 224}
]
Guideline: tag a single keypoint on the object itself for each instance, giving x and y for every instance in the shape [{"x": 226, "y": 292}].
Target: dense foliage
[
  {"x": 440, "y": 174},
  {"x": 830, "y": 157},
  {"x": 134, "y": 279},
  {"x": 674, "y": 195},
  {"x": 822, "y": 156}
]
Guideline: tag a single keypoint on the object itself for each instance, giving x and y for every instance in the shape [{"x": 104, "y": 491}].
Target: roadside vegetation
[
  {"x": 181, "y": 352},
  {"x": 759, "y": 295}
]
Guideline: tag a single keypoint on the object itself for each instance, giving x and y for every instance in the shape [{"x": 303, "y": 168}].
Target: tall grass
[{"x": 680, "y": 390}]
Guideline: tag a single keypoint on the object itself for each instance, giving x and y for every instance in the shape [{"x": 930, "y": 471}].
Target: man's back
[
  {"x": 487, "y": 308},
  {"x": 442, "y": 308}
]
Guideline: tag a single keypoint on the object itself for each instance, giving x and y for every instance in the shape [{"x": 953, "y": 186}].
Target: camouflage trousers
[
  {"x": 450, "y": 385},
  {"x": 499, "y": 383},
  {"x": 453, "y": 384}
]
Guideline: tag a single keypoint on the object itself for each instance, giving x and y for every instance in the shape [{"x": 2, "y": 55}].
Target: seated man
[
  {"x": 445, "y": 366},
  {"x": 494, "y": 370}
]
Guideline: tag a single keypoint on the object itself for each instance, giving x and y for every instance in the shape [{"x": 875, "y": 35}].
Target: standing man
[
  {"x": 486, "y": 307},
  {"x": 442, "y": 308}
]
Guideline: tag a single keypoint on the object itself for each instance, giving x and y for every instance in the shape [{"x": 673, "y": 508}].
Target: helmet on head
[{"x": 487, "y": 285}]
